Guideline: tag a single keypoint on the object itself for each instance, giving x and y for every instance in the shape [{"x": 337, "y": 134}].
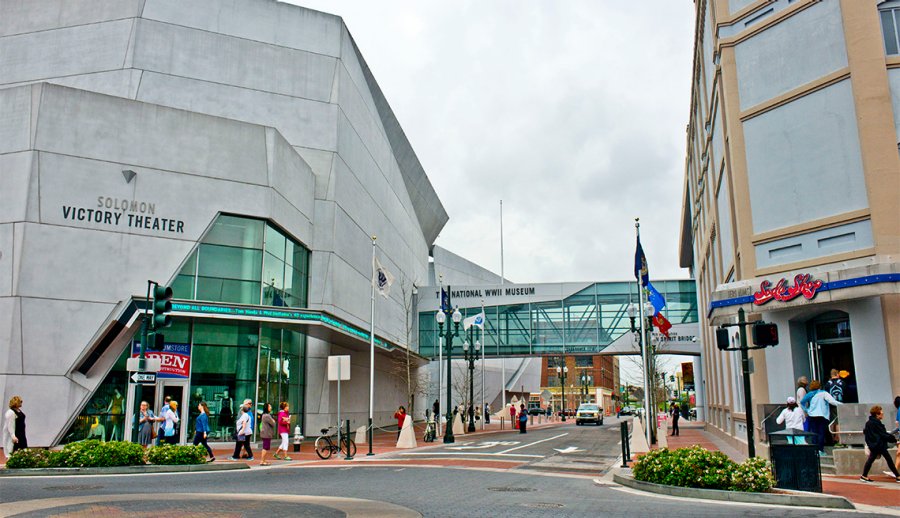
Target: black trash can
[{"x": 795, "y": 458}]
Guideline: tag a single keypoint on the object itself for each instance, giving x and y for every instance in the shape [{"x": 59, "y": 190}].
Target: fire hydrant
[{"x": 298, "y": 438}]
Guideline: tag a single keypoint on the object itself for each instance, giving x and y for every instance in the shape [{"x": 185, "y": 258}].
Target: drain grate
[
  {"x": 543, "y": 505},
  {"x": 512, "y": 489},
  {"x": 73, "y": 488}
]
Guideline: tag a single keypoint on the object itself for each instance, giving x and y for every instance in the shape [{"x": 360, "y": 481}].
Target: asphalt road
[
  {"x": 587, "y": 449},
  {"x": 531, "y": 488}
]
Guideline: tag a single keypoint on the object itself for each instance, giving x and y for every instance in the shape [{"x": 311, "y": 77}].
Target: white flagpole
[
  {"x": 372, "y": 352},
  {"x": 502, "y": 281},
  {"x": 483, "y": 350},
  {"x": 649, "y": 418},
  {"x": 440, "y": 347}
]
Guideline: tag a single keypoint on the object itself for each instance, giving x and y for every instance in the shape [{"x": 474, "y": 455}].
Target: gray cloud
[{"x": 572, "y": 112}]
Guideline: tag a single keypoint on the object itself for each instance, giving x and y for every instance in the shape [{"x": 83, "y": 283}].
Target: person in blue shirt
[
  {"x": 201, "y": 429},
  {"x": 815, "y": 404}
]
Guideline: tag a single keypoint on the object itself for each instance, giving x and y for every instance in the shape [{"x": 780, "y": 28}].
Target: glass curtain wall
[
  {"x": 240, "y": 260},
  {"x": 584, "y": 322}
]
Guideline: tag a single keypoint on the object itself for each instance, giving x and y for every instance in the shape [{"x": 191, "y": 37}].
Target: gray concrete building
[{"x": 241, "y": 152}]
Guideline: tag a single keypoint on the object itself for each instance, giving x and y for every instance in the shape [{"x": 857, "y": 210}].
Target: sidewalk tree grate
[
  {"x": 512, "y": 489},
  {"x": 543, "y": 505}
]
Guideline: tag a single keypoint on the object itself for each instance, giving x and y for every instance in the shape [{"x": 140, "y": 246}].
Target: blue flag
[
  {"x": 641, "y": 272},
  {"x": 655, "y": 298},
  {"x": 445, "y": 300}
]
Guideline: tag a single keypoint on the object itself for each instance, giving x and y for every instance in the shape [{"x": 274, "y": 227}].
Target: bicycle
[
  {"x": 430, "y": 432},
  {"x": 325, "y": 446}
]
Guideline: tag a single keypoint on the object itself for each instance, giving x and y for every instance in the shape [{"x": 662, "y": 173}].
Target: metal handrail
[{"x": 761, "y": 426}]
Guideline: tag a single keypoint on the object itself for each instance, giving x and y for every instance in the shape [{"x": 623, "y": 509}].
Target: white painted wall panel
[
  {"x": 803, "y": 160},
  {"x": 21, "y": 16},
  {"x": 15, "y": 119},
  {"x": 180, "y": 51},
  {"x": 62, "y": 52},
  {"x": 79, "y": 123},
  {"x": 53, "y": 349},
  {"x": 16, "y": 188},
  {"x": 277, "y": 23},
  {"x": 794, "y": 52},
  {"x": 301, "y": 121}
]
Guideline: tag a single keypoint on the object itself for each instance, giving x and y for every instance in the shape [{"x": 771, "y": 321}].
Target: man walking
[
  {"x": 244, "y": 431},
  {"x": 676, "y": 413}
]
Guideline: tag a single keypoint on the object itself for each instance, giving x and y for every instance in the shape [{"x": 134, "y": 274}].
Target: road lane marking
[
  {"x": 535, "y": 442},
  {"x": 473, "y": 453},
  {"x": 570, "y": 449}
]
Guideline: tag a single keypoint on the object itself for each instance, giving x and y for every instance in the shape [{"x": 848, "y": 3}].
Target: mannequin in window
[
  {"x": 226, "y": 411},
  {"x": 116, "y": 410},
  {"x": 97, "y": 431}
]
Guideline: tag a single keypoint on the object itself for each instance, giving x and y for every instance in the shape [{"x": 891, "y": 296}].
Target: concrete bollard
[{"x": 360, "y": 435}]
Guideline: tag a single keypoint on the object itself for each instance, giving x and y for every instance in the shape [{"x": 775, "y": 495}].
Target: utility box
[{"x": 795, "y": 457}]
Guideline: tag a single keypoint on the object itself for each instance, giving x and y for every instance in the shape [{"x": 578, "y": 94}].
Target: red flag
[{"x": 664, "y": 325}]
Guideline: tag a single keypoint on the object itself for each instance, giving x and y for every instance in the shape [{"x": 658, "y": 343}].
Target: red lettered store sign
[{"x": 804, "y": 285}]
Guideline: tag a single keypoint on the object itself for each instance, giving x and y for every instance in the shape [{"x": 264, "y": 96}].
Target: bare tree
[
  {"x": 404, "y": 367},
  {"x": 658, "y": 365}
]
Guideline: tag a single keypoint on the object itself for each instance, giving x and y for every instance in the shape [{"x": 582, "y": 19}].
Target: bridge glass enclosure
[{"x": 583, "y": 323}]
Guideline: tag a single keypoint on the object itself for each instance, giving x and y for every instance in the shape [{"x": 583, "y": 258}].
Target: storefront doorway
[
  {"x": 831, "y": 347},
  {"x": 155, "y": 396}
]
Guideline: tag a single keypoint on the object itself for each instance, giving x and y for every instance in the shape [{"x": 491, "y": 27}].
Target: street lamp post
[
  {"x": 471, "y": 354},
  {"x": 585, "y": 383},
  {"x": 441, "y": 318},
  {"x": 646, "y": 354},
  {"x": 561, "y": 374}
]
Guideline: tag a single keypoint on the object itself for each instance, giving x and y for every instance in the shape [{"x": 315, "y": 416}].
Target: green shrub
[
  {"x": 753, "y": 475},
  {"x": 96, "y": 454},
  {"x": 701, "y": 468},
  {"x": 28, "y": 458},
  {"x": 175, "y": 454}
]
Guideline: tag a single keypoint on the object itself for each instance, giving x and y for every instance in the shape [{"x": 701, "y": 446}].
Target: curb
[
  {"x": 796, "y": 498},
  {"x": 121, "y": 470}
]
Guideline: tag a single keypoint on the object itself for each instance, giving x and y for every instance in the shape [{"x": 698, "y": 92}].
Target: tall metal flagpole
[
  {"x": 502, "y": 281},
  {"x": 372, "y": 353},
  {"x": 644, "y": 348},
  {"x": 437, "y": 417},
  {"x": 483, "y": 351}
]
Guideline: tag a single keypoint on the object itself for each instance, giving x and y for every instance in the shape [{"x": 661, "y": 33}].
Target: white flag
[
  {"x": 383, "y": 279},
  {"x": 474, "y": 320}
]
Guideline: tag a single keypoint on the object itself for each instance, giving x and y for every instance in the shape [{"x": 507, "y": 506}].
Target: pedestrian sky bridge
[{"x": 553, "y": 319}]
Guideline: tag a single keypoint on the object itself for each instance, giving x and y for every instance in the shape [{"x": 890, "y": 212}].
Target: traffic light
[
  {"x": 765, "y": 334},
  {"x": 723, "y": 341},
  {"x": 157, "y": 342},
  {"x": 161, "y": 307},
  {"x": 672, "y": 378}
]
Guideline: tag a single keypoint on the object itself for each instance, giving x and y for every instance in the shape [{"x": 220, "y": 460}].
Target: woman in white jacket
[
  {"x": 14, "y": 427},
  {"x": 793, "y": 416}
]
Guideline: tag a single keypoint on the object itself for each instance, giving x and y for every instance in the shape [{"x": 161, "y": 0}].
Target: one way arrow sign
[
  {"x": 570, "y": 449},
  {"x": 146, "y": 378}
]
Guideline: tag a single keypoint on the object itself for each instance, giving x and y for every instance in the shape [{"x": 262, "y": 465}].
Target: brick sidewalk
[{"x": 883, "y": 492}]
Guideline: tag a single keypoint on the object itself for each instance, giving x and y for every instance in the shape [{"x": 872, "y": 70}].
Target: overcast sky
[{"x": 571, "y": 112}]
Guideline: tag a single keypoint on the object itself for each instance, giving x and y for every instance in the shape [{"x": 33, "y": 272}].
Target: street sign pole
[{"x": 139, "y": 389}]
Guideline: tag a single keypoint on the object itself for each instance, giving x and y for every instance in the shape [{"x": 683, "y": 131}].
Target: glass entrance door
[
  {"x": 175, "y": 390},
  {"x": 148, "y": 394},
  {"x": 831, "y": 348}
]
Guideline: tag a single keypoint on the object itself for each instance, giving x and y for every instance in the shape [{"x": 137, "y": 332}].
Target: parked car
[
  {"x": 589, "y": 413},
  {"x": 569, "y": 412},
  {"x": 536, "y": 410},
  {"x": 626, "y": 411}
]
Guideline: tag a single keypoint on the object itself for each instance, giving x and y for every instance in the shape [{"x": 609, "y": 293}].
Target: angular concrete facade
[{"x": 253, "y": 108}]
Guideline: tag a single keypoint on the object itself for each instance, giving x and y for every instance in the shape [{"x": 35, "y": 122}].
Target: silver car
[{"x": 589, "y": 413}]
